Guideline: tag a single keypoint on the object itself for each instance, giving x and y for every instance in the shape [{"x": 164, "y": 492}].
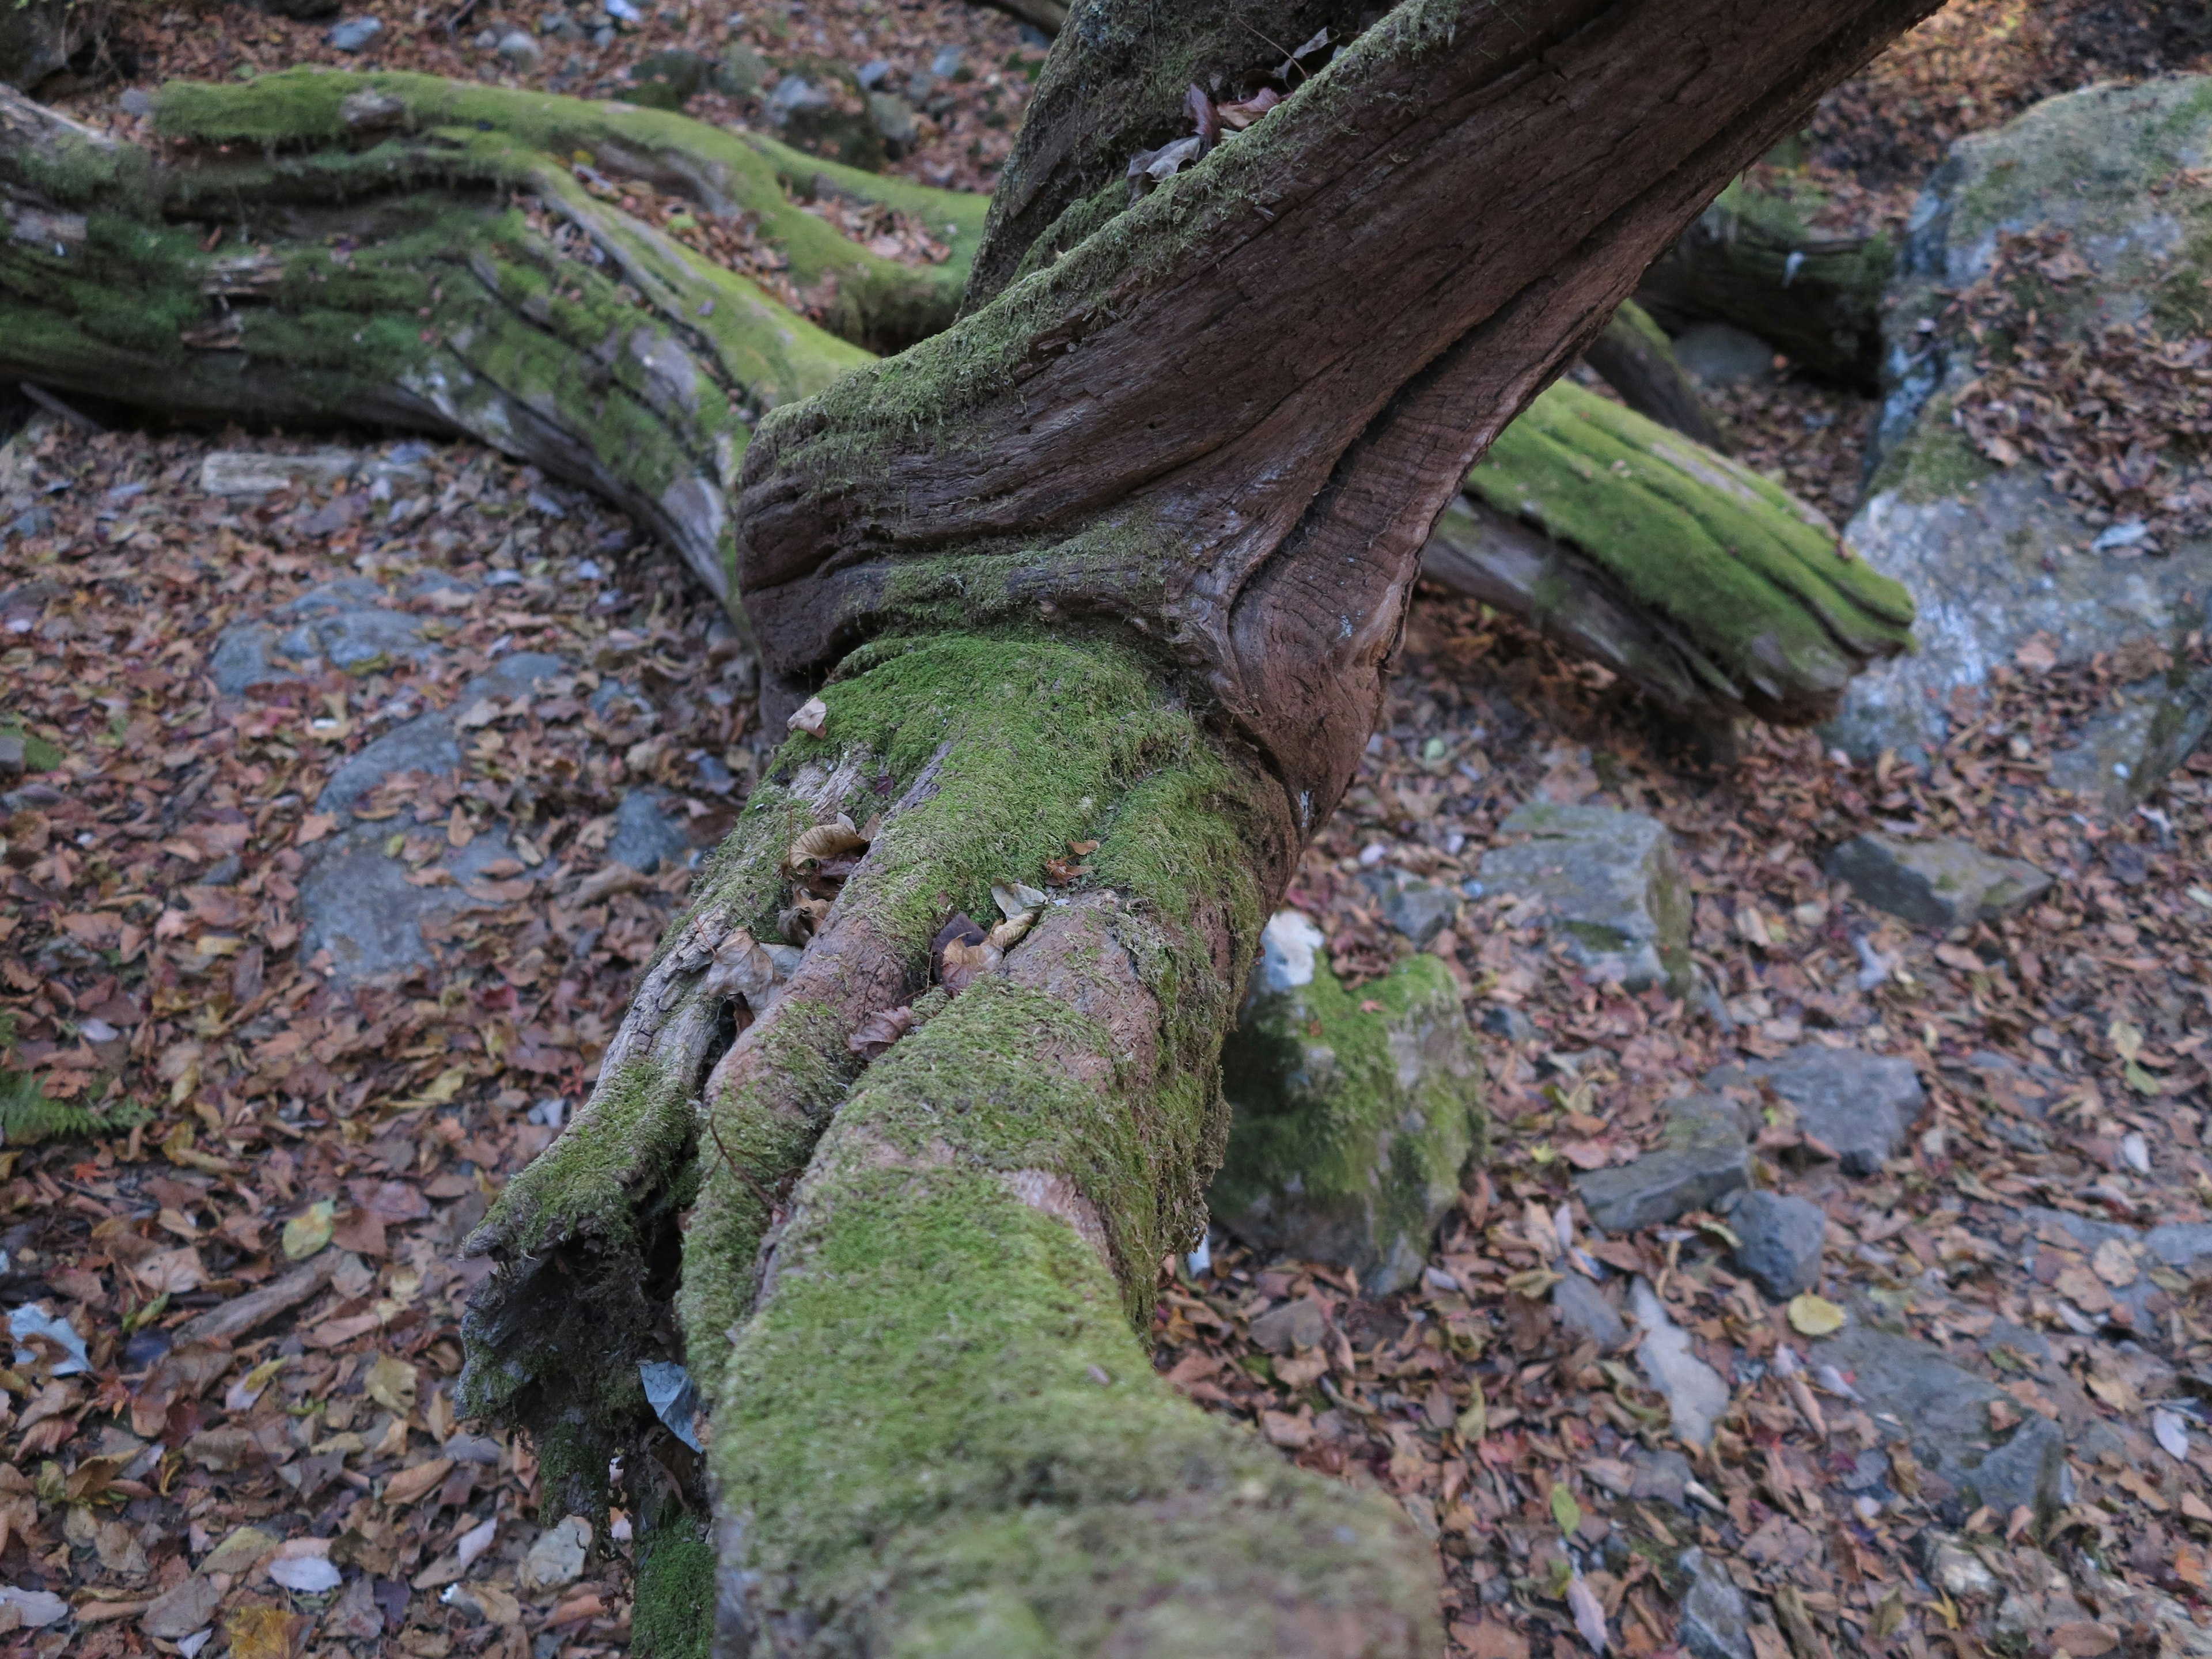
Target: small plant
[{"x": 28, "y": 1115}]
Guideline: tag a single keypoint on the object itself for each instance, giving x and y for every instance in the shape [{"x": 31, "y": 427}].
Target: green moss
[
  {"x": 1748, "y": 574},
  {"x": 1935, "y": 462},
  {"x": 1352, "y": 1123},
  {"x": 672, "y": 1611}
]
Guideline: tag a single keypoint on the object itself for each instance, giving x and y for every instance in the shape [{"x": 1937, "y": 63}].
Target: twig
[{"x": 53, "y": 406}]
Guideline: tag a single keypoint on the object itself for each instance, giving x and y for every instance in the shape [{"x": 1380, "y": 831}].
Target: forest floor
[{"x": 229, "y": 1421}]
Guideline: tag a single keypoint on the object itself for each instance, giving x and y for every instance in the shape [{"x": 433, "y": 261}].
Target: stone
[
  {"x": 1696, "y": 1395},
  {"x": 178, "y": 1612},
  {"x": 355, "y": 900},
  {"x": 1995, "y": 557},
  {"x": 1860, "y": 1105},
  {"x": 1349, "y": 1129},
  {"x": 1721, "y": 354},
  {"x": 1510, "y": 1023},
  {"x": 896, "y": 121},
  {"x": 37, "y": 37},
  {"x": 240, "y": 661},
  {"x": 520, "y": 51},
  {"x": 1715, "y": 1622},
  {"x": 425, "y": 743},
  {"x": 1702, "y": 1155},
  {"x": 358, "y": 640},
  {"x": 742, "y": 71},
  {"x": 669, "y": 80},
  {"x": 1295, "y": 1325},
  {"x": 251, "y": 472},
  {"x": 646, "y": 837},
  {"x": 1940, "y": 883},
  {"x": 1959, "y": 1569},
  {"x": 557, "y": 1556},
  {"x": 1778, "y": 1242},
  {"x": 1418, "y": 909},
  {"x": 33, "y": 1609},
  {"x": 1585, "y": 1312},
  {"x": 355, "y": 33},
  {"x": 1610, "y": 884},
  {"x": 1912, "y": 1389}
]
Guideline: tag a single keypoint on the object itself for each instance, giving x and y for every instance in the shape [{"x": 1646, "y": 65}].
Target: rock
[
  {"x": 645, "y": 836},
  {"x": 520, "y": 51},
  {"x": 1696, "y": 1396},
  {"x": 557, "y": 1556},
  {"x": 355, "y": 33},
  {"x": 1942, "y": 882},
  {"x": 1701, "y": 1156},
  {"x": 1779, "y": 1242},
  {"x": 176, "y": 1614},
  {"x": 742, "y": 71},
  {"x": 1295, "y": 1325},
  {"x": 1721, "y": 354},
  {"x": 425, "y": 743},
  {"x": 1348, "y": 1129},
  {"x": 837, "y": 122},
  {"x": 1715, "y": 1623},
  {"x": 1510, "y": 1023},
  {"x": 356, "y": 902},
  {"x": 1584, "y": 1310},
  {"x": 1913, "y": 1390},
  {"x": 896, "y": 124},
  {"x": 358, "y": 639},
  {"x": 37, "y": 37},
  {"x": 1994, "y": 555},
  {"x": 1958, "y": 1570},
  {"x": 240, "y": 661},
  {"x": 33, "y": 1609},
  {"x": 1859, "y": 1104},
  {"x": 669, "y": 80},
  {"x": 1418, "y": 909},
  {"x": 251, "y": 472},
  {"x": 1611, "y": 885}
]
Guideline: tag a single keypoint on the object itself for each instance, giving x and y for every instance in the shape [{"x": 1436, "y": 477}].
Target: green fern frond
[{"x": 28, "y": 1115}]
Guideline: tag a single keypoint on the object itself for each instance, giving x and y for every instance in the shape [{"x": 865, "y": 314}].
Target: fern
[{"x": 28, "y": 1115}]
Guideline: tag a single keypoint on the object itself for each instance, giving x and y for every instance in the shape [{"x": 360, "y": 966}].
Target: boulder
[
  {"x": 1913, "y": 1392},
  {"x": 1778, "y": 1242},
  {"x": 1349, "y": 1128},
  {"x": 1701, "y": 1157},
  {"x": 1858, "y": 1103},
  {"x": 37, "y": 37},
  {"x": 1418, "y": 909},
  {"x": 1697, "y": 1398},
  {"x": 1942, "y": 882},
  {"x": 1715, "y": 1623},
  {"x": 1610, "y": 885},
  {"x": 645, "y": 836},
  {"x": 1584, "y": 1312},
  {"x": 1994, "y": 555},
  {"x": 668, "y": 79}
]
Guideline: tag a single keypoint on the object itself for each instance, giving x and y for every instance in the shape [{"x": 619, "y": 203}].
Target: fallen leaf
[
  {"x": 879, "y": 1030},
  {"x": 1564, "y": 1509},
  {"x": 409, "y": 1485},
  {"x": 2115, "y": 1263},
  {"x": 391, "y": 1382},
  {"x": 2084, "y": 1639},
  {"x": 308, "y": 1232},
  {"x": 1814, "y": 1315},
  {"x": 811, "y": 717},
  {"x": 2172, "y": 1433},
  {"x": 1589, "y": 1611}
]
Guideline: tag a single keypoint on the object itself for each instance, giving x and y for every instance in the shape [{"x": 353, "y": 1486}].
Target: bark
[
  {"x": 1755, "y": 258},
  {"x": 1117, "y": 561},
  {"x": 1636, "y": 359}
]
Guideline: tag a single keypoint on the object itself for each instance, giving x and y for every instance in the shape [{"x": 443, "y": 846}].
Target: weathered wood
[{"x": 1636, "y": 359}]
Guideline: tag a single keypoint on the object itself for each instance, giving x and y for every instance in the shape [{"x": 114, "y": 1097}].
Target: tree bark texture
[{"x": 1097, "y": 588}]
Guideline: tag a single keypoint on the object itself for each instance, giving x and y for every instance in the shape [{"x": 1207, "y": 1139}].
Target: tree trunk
[
  {"x": 1097, "y": 591},
  {"x": 1636, "y": 359}
]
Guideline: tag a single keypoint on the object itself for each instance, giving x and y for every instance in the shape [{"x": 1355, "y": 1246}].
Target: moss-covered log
[
  {"x": 1634, "y": 356},
  {"x": 1707, "y": 585},
  {"x": 319, "y": 248},
  {"x": 1755, "y": 258}
]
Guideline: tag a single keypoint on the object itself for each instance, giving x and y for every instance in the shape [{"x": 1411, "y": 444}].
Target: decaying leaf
[
  {"x": 1814, "y": 1315},
  {"x": 803, "y": 918},
  {"x": 391, "y": 1382},
  {"x": 878, "y": 1032},
  {"x": 308, "y": 1232},
  {"x": 822, "y": 843},
  {"x": 1009, "y": 932},
  {"x": 811, "y": 717}
]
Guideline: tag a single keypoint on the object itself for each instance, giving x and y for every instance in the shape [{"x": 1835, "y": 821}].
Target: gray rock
[
  {"x": 1913, "y": 1391},
  {"x": 1510, "y": 1023},
  {"x": 358, "y": 640},
  {"x": 1664, "y": 1474},
  {"x": 557, "y": 1558},
  {"x": 667, "y": 80},
  {"x": 1942, "y": 882},
  {"x": 1779, "y": 1242},
  {"x": 355, "y": 33},
  {"x": 1993, "y": 555},
  {"x": 1860, "y": 1104},
  {"x": 1611, "y": 886},
  {"x": 1584, "y": 1310},
  {"x": 895, "y": 119},
  {"x": 1348, "y": 1129},
  {"x": 240, "y": 661},
  {"x": 645, "y": 836},
  {"x": 520, "y": 50},
  {"x": 1720, "y": 354},
  {"x": 1418, "y": 909},
  {"x": 743, "y": 72},
  {"x": 1701, "y": 1157},
  {"x": 2184, "y": 1246},
  {"x": 356, "y": 902},
  {"x": 1295, "y": 1325},
  {"x": 425, "y": 743},
  {"x": 1696, "y": 1395},
  {"x": 1715, "y": 1624}
]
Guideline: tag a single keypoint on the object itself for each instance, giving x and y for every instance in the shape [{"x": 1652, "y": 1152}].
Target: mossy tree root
[
  {"x": 918, "y": 1339},
  {"x": 320, "y": 248},
  {"x": 1707, "y": 585},
  {"x": 1634, "y": 356}
]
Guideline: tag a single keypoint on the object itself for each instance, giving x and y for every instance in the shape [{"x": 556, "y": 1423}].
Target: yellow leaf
[
  {"x": 1813, "y": 1315},
  {"x": 2138, "y": 1079},
  {"x": 2126, "y": 1039},
  {"x": 307, "y": 1233},
  {"x": 258, "y": 1630},
  {"x": 1474, "y": 1422},
  {"x": 1565, "y": 1511},
  {"x": 390, "y": 1384},
  {"x": 443, "y": 1087}
]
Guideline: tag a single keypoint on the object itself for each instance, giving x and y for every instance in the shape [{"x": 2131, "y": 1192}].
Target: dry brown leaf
[
  {"x": 811, "y": 717},
  {"x": 879, "y": 1030}
]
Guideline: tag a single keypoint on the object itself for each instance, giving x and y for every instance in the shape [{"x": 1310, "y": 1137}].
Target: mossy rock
[
  {"x": 669, "y": 80},
  {"x": 1353, "y": 1113}
]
